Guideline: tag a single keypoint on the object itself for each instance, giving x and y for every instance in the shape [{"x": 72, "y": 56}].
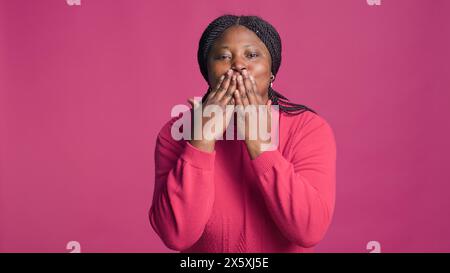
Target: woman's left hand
[{"x": 252, "y": 108}]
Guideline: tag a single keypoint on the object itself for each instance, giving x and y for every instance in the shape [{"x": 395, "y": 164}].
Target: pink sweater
[{"x": 282, "y": 201}]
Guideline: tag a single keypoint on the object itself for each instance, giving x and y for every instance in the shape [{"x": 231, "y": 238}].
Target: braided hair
[{"x": 268, "y": 35}]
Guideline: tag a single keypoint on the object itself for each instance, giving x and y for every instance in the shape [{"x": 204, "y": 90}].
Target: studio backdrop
[{"x": 85, "y": 87}]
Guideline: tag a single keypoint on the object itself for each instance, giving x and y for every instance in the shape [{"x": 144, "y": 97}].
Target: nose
[{"x": 238, "y": 65}]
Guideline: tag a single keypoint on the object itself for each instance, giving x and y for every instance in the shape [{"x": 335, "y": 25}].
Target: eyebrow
[{"x": 225, "y": 46}]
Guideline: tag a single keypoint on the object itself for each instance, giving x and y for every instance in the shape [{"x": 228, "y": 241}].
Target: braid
[
  {"x": 267, "y": 34},
  {"x": 285, "y": 105}
]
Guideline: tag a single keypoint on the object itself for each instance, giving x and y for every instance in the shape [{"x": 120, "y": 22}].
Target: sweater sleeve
[
  {"x": 300, "y": 192},
  {"x": 184, "y": 191}
]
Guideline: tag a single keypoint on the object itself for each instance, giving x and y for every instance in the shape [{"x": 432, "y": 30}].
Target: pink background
[{"x": 85, "y": 89}]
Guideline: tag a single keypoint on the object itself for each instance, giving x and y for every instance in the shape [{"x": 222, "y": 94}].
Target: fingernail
[
  {"x": 239, "y": 78},
  {"x": 229, "y": 72}
]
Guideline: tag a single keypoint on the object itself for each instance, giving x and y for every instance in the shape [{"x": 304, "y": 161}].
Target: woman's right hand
[{"x": 220, "y": 96}]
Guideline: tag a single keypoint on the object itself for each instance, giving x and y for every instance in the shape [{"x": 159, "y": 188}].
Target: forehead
[{"x": 238, "y": 35}]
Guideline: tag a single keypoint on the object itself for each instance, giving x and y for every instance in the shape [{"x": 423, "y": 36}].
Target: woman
[{"x": 232, "y": 195}]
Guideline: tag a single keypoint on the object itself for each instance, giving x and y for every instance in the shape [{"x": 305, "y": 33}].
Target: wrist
[
  {"x": 253, "y": 148},
  {"x": 204, "y": 145}
]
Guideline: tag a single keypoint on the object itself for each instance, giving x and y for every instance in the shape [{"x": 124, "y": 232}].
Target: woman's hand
[
  {"x": 220, "y": 96},
  {"x": 252, "y": 108}
]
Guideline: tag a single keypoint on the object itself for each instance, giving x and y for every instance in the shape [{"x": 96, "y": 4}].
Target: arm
[
  {"x": 300, "y": 193},
  {"x": 184, "y": 191}
]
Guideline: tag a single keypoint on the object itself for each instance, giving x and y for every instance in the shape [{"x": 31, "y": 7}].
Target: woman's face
[{"x": 239, "y": 48}]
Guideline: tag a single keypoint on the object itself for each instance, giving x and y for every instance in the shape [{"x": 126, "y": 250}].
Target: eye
[
  {"x": 253, "y": 55},
  {"x": 223, "y": 57}
]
